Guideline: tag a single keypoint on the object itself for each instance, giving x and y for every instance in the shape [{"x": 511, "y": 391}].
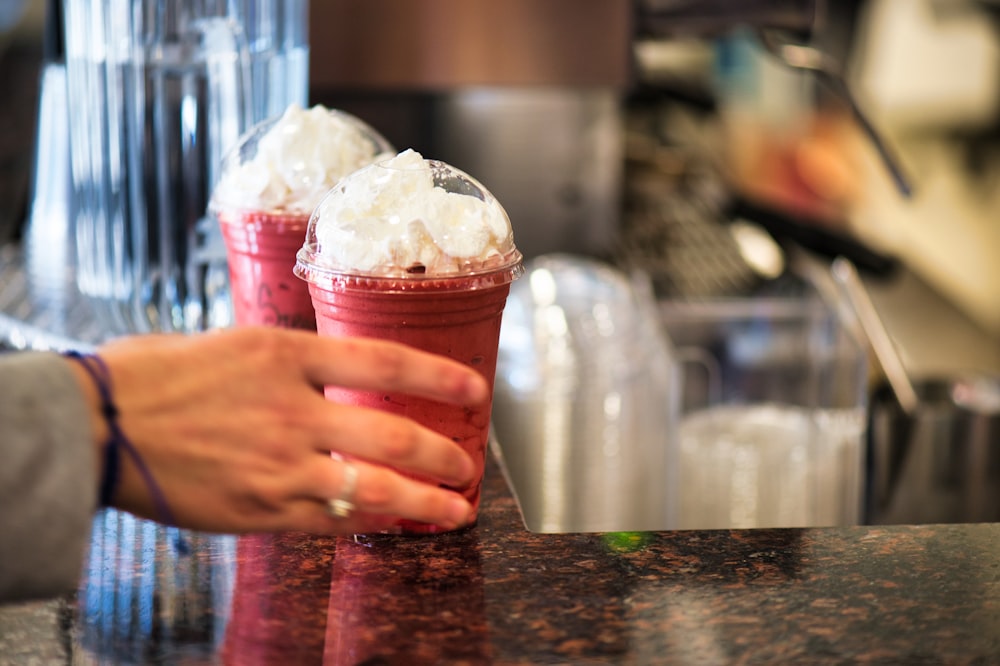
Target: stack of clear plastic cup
[{"x": 264, "y": 201}]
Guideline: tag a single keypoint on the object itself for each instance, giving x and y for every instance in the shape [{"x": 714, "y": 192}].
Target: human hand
[{"x": 237, "y": 433}]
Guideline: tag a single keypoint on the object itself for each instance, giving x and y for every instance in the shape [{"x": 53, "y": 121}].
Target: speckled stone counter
[{"x": 496, "y": 594}]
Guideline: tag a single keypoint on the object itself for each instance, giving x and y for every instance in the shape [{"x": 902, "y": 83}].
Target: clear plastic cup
[
  {"x": 263, "y": 207},
  {"x": 375, "y": 272}
]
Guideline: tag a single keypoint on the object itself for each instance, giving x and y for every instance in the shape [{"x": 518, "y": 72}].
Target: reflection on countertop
[{"x": 497, "y": 594}]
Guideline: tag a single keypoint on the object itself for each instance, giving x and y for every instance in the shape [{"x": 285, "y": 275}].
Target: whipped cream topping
[
  {"x": 397, "y": 218},
  {"x": 298, "y": 158}
]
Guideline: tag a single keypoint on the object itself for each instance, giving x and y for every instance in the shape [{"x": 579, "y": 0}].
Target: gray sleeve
[{"x": 47, "y": 485}]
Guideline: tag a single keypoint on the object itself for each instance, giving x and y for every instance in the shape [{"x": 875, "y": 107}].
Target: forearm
[{"x": 48, "y": 479}]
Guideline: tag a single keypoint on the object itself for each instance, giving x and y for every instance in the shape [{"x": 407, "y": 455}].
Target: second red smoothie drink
[
  {"x": 382, "y": 262},
  {"x": 270, "y": 183}
]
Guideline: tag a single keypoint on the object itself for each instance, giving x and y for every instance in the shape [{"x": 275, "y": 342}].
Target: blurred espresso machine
[{"x": 528, "y": 96}]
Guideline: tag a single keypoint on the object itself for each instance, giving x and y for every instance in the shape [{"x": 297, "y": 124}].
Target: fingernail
[
  {"x": 477, "y": 389},
  {"x": 458, "y": 511},
  {"x": 468, "y": 471}
]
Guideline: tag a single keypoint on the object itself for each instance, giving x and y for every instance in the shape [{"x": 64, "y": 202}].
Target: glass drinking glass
[{"x": 159, "y": 91}]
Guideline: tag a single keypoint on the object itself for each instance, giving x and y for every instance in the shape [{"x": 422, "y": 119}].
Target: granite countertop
[{"x": 496, "y": 594}]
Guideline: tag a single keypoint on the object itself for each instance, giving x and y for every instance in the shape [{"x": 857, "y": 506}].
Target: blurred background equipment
[
  {"x": 528, "y": 96},
  {"x": 930, "y": 73},
  {"x": 20, "y": 59},
  {"x": 940, "y": 463}
]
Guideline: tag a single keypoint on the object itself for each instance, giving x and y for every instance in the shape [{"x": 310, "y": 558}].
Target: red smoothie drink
[
  {"x": 270, "y": 183},
  {"x": 448, "y": 306},
  {"x": 454, "y": 320}
]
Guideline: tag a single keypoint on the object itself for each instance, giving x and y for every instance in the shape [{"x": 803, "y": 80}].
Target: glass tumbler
[
  {"x": 159, "y": 91},
  {"x": 772, "y": 421}
]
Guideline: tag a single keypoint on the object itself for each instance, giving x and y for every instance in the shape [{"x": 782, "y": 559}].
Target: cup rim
[{"x": 333, "y": 278}]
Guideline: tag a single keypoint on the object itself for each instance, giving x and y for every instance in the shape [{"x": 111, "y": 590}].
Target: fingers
[
  {"x": 393, "y": 440},
  {"x": 387, "y": 366},
  {"x": 348, "y": 362},
  {"x": 379, "y": 497}
]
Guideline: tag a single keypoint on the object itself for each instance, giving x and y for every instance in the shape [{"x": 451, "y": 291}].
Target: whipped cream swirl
[
  {"x": 287, "y": 164},
  {"x": 408, "y": 215}
]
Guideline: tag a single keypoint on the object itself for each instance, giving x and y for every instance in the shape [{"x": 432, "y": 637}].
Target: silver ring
[{"x": 343, "y": 506}]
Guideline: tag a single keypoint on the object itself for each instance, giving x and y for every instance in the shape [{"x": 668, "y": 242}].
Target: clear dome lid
[
  {"x": 287, "y": 163},
  {"x": 409, "y": 219}
]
